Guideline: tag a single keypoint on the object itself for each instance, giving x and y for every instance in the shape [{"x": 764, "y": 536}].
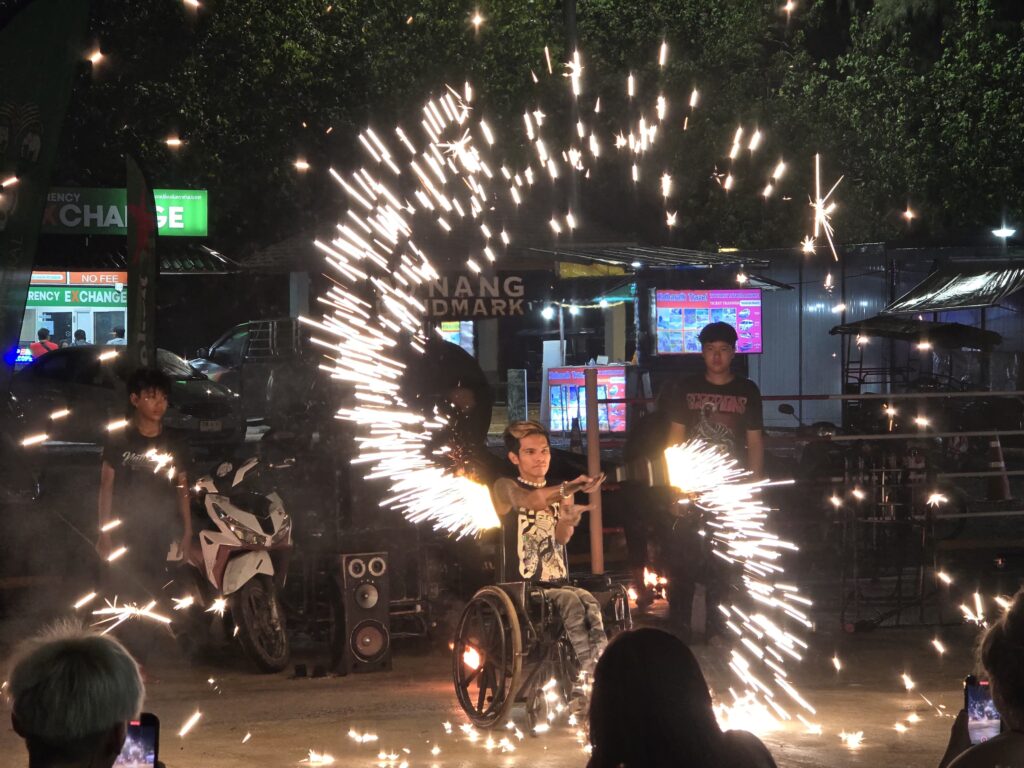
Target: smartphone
[
  {"x": 142, "y": 743},
  {"x": 983, "y": 721}
]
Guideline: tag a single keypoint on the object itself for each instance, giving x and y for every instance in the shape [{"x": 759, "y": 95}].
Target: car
[
  {"x": 269, "y": 363},
  {"x": 90, "y": 383}
]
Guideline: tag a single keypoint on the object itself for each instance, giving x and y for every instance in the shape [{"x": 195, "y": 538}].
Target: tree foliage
[{"x": 918, "y": 101}]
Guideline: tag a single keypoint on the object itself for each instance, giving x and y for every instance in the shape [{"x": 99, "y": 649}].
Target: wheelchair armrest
[{"x": 595, "y": 582}]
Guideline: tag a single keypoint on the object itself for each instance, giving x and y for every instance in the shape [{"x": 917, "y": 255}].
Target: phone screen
[
  {"x": 983, "y": 720},
  {"x": 140, "y": 745}
]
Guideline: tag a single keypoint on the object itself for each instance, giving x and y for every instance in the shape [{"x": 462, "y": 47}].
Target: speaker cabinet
[{"x": 362, "y": 634}]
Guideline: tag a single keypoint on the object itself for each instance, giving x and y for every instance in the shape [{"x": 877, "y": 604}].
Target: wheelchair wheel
[{"x": 487, "y": 662}]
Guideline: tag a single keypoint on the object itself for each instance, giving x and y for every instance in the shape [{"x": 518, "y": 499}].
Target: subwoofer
[{"x": 361, "y": 632}]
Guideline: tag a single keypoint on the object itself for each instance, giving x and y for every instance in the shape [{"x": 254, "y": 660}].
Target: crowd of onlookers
[{"x": 73, "y": 693}]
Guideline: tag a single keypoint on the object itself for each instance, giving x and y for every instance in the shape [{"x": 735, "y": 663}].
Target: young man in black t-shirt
[
  {"x": 143, "y": 484},
  {"x": 537, "y": 521},
  {"x": 722, "y": 409},
  {"x": 719, "y": 407}
]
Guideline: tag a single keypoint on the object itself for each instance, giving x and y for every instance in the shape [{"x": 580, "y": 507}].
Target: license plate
[{"x": 210, "y": 426}]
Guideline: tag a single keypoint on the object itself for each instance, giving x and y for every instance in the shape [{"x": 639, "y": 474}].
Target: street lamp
[
  {"x": 548, "y": 313},
  {"x": 1004, "y": 232}
]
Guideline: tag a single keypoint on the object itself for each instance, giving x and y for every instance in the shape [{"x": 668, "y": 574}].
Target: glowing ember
[
  {"x": 318, "y": 758},
  {"x": 118, "y": 424},
  {"x": 939, "y": 646},
  {"x": 84, "y": 600},
  {"x": 110, "y": 526},
  {"x": 907, "y": 682},
  {"x": 944, "y": 577},
  {"x": 852, "y": 740},
  {"x": 837, "y": 663},
  {"x": 181, "y": 603},
  {"x": 34, "y": 440},
  {"x": 117, "y": 553},
  {"x": 218, "y": 606},
  {"x": 246, "y": 737},
  {"x": 110, "y": 354},
  {"x": 62, "y": 413},
  {"x": 190, "y": 724},
  {"x": 361, "y": 738}
]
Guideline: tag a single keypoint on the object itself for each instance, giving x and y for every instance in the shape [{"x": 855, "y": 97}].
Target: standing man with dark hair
[
  {"x": 44, "y": 345},
  {"x": 143, "y": 484},
  {"x": 117, "y": 337},
  {"x": 80, "y": 339},
  {"x": 537, "y": 521},
  {"x": 722, "y": 409},
  {"x": 719, "y": 407}
]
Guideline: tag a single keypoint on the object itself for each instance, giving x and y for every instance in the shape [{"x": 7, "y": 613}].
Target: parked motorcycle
[{"x": 245, "y": 537}]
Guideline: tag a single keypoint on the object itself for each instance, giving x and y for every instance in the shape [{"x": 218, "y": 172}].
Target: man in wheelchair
[{"x": 537, "y": 521}]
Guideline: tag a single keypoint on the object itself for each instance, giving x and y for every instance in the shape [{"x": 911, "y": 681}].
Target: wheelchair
[{"x": 510, "y": 647}]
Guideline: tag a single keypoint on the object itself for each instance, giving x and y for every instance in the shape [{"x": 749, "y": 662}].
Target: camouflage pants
[{"x": 581, "y": 617}]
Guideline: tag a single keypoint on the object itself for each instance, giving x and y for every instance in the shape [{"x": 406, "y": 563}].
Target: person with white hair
[{"x": 72, "y": 693}]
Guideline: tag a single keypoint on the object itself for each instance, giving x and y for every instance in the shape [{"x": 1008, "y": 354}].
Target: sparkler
[{"x": 218, "y": 606}]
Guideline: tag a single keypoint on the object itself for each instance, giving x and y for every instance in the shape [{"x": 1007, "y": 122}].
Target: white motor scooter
[{"x": 245, "y": 537}]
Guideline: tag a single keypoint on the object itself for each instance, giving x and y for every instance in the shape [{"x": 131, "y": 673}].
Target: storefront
[{"x": 64, "y": 302}]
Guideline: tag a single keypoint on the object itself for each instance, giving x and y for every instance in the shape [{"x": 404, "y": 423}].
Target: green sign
[
  {"x": 92, "y": 211},
  {"x": 100, "y": 297}
]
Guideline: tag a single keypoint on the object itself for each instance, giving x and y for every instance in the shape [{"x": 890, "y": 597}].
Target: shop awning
[
  {"x": 176, "y": 257},
  {"x": 961, "y": 286},
  {"x": 639, "y": 256},
  {"x": 942, "y": 335}
]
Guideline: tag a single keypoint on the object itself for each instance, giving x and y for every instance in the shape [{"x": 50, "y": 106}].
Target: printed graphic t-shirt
[
  {"x": 720, "y": 414},
  {"x": 530, "y": 549},
  {"x": 144, "y": 490}
]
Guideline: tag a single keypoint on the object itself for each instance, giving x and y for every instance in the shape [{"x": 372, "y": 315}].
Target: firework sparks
[
  {"x": 117, "y": 554},
  {"x": 246, "y": 737},
  {"x": 736, "y": 523},
  {"x": 853, "y": 740},
  {"x": 116, "y": 615},
  {"x": 823, "y": 210},
  {"x": 218, "y": 606},
  {"x": 110, "y": 526},
  {"x": 190, "y": 724},
  {"x": 182, "y": 603},
  {"x": 361, "y": 738},
  {"x": 84, "y": 600},
  {"x": 937, "y": 499},
  {"x": 907, "y": 682},
  {"x": 837, "y": 664},
  {"x": 939, "y": 646},
  {"x": 34, "y": 440}
]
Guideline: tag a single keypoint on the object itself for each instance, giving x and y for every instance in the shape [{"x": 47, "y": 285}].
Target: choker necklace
[{"x": 522, "y": 480}]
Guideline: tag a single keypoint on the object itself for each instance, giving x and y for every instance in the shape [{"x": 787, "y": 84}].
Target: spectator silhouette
[
  {"x": 651, "y": 708},
  {"x": 72, "y": 694},
  {"x": 1001, "y": 657}
]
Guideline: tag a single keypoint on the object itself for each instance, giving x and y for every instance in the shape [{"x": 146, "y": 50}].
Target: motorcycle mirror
[{"x": 787, "y": 409}]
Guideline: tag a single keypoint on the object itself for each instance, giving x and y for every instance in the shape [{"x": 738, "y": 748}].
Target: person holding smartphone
[
  {"x": 73, "y": 694},
  {"x": 537, "y": 521},
  {"x": 1001, "y": 655}
]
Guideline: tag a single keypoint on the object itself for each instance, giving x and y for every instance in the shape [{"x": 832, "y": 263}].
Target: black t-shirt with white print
[
  {"x": 146, "y": 473},
  {"x": 531, "y": 552}
]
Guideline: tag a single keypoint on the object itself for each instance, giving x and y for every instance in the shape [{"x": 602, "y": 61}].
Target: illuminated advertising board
[
  {"x": 680, "y": 316},
  {"x": 567, "y": 398}
]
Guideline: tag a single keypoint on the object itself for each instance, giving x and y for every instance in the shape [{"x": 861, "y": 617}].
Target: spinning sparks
[
  {"x": 218, "y": 606},
  {"x": 374, "y": 318},
  {"x": 735, "y": 519}
]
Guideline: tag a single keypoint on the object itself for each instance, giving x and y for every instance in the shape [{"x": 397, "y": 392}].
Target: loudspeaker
[{"x": 362, "y": 633}]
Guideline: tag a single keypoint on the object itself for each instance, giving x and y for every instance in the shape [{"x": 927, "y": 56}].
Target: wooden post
[{"x": 593, "y": 469}]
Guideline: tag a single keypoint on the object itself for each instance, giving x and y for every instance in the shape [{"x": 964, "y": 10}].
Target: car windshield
[{"x": 175, "y": 367}]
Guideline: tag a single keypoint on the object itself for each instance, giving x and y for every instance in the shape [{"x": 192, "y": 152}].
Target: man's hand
[{"x": 593, "y": 483}]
